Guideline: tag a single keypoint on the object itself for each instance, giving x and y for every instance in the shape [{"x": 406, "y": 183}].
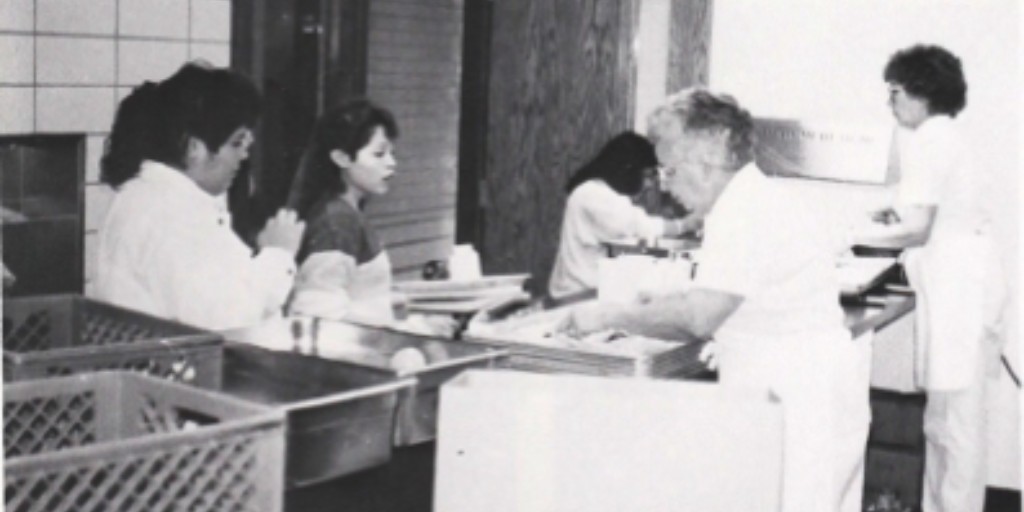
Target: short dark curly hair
[{"x": 931, "y": 73}]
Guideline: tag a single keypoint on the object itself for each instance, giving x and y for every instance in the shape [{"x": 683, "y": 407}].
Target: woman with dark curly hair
[
  {"x": 599, "y": 210},
  {"x": 940, "y": 219},
  {"x": 166, "y": 246}
]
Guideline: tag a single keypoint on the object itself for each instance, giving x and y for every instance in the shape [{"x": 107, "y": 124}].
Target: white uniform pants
[
  {"x": 954, "y": 429},
  {"x": 823, "y": 386}
]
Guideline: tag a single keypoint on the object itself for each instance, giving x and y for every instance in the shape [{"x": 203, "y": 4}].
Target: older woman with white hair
[{"x": 766, "y": 290}]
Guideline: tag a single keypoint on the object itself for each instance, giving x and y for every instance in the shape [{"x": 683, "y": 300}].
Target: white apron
[
  {"x": 821, "y": 379},
  {"x": 956, "y": 279},
  {"x": 370, "y": 291}
]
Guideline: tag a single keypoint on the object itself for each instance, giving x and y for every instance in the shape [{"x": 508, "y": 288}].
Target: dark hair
[
  {"x": 698, "y": 110},
  {"x": 620, "y": 163},
  {"x": 155, "y": 121},
  {"x": 348, "y": 127},
  {"x": 931, "y": 73}
]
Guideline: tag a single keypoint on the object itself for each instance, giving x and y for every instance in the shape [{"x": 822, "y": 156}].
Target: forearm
[
  {"x": 894, "y": 236},
  {"x": 668, "y": 317}
]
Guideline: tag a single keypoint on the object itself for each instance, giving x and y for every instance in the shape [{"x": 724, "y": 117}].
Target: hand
[
  {"x": 586, "y": 319},
  {"x": 709, "y": 355},
  {"x": 283, "y": 231},
  {"x": 887, "y": 216},
  {"x": 693, "y": 223}
]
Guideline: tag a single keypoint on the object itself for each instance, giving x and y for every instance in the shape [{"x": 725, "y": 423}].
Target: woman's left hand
[{"x": 585, "y": 319}]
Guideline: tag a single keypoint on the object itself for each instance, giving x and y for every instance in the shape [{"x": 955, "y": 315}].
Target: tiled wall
[{"x": 65, "y": 64}]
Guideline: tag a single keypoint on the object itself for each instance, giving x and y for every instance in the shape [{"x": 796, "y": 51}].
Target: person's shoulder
[{"x": 593, "y": 192}]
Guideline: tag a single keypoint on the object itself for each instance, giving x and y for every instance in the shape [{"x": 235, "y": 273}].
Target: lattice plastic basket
[
  {"x": 127, "y": 442},
  {"x": 55, "y": 335}
]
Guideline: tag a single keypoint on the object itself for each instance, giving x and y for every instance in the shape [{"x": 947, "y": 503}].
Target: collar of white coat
[{"x": 167, "y": 176}]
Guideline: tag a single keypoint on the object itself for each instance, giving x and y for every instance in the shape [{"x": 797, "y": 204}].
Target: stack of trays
[
  {"x": 523, "y": 337},
  {"x": 461, "y": 296}
]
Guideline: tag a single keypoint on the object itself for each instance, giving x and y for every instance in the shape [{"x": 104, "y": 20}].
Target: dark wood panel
[
  {"x": 410, "y": 231},
  {"x": 413, "y": 69},
  {"x": 561, "y": 84},
  {"x": 689, "y": 51},
  {"x": 402, "y": 217}
]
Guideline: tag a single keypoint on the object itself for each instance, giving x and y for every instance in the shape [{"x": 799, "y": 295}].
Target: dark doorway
[
  {"x": 476, "y": 66},
  {"x": 304, "y": 55}
]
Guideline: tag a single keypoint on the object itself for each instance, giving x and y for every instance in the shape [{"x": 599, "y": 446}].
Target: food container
[
  {"x": 340, "y": 417},
  {"x": 54, "y": 335},
  {"x": 524, "y": 337},
  {"x": 133, "y": 443},
  {"x": 384, "y": 351}
]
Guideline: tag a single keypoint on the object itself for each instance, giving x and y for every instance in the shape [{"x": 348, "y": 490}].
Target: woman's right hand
[{"x": 283, "y": 231}]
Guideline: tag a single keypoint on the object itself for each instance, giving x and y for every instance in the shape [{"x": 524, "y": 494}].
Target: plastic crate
[
  {"x": 54, "y": 335},
  {"x": 127, "y": 442}
]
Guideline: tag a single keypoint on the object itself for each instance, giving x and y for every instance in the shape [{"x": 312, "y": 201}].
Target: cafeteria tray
[
  {"x": 339, "y": 417},
  {"x": 133, "y": 443},
  {"x": 53, "y": 335},
  {"x": 679, "y": 362}
]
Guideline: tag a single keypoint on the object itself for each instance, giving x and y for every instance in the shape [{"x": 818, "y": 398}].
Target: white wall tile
[
  {"x": 16, "y": 15},
  {"x": 16, "y": 105},
  {"x": 76, "y": 16},
  {"x": 216, "y": 53},
  {"x": 18, "y": 58},
  {"x": 97, "y": 202},
  {"x": 139, "y": 61},
  {"x": 211, "y": 19},
  {"x": 72, "y": 60},
  {"x": 90, "y": 288},
  {"x": 74, "y": 109},
  {"x": 93, "y": 152},
  {"x": 92, "y": 245},
  {"x": 153, "y": 18}
]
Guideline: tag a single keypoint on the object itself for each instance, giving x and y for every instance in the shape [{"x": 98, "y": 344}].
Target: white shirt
[
  {"x": 956, "y": 274},
  {"x": 594, "y": 213},
  {"x": 764, "y": 243},
  {"x": 167, "y": 248}
]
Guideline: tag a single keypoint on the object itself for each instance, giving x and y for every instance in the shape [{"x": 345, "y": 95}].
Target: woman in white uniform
[
  {"x": 344, "y": 270},
  {"x": 766, "y": 290},
  {"x": 167, "y": 247},
  {"x": 600, "y": 209},
  {"x": 940, "y": 218}
]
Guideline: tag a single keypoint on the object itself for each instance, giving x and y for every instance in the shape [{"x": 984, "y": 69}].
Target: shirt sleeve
[
  {"x": 729, "y": 254},
  {"x": 613, "y": 216},
  {"x": 925, "y": 160},
  {"x": 217, "y": 284},
  {"x": 321, "y": 289}
]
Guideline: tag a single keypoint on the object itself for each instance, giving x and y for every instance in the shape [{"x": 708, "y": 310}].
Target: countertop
[{"x": 877, "y": 308}]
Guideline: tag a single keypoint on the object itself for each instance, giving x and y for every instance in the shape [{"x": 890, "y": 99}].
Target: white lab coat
[
  {"x": 960, "y": 292},
  {"x": 167, "y": 248},
  {"x": 956, "y": 269},
  {"x": 595, "y": 213},
  {"x": 764, "y": 243}
]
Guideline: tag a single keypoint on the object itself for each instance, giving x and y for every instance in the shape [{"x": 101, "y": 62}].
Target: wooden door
[{"x": 561, "y": 83}]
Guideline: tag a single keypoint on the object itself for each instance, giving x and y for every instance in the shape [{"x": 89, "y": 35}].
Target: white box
[{"x": 510, "y": 441}]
